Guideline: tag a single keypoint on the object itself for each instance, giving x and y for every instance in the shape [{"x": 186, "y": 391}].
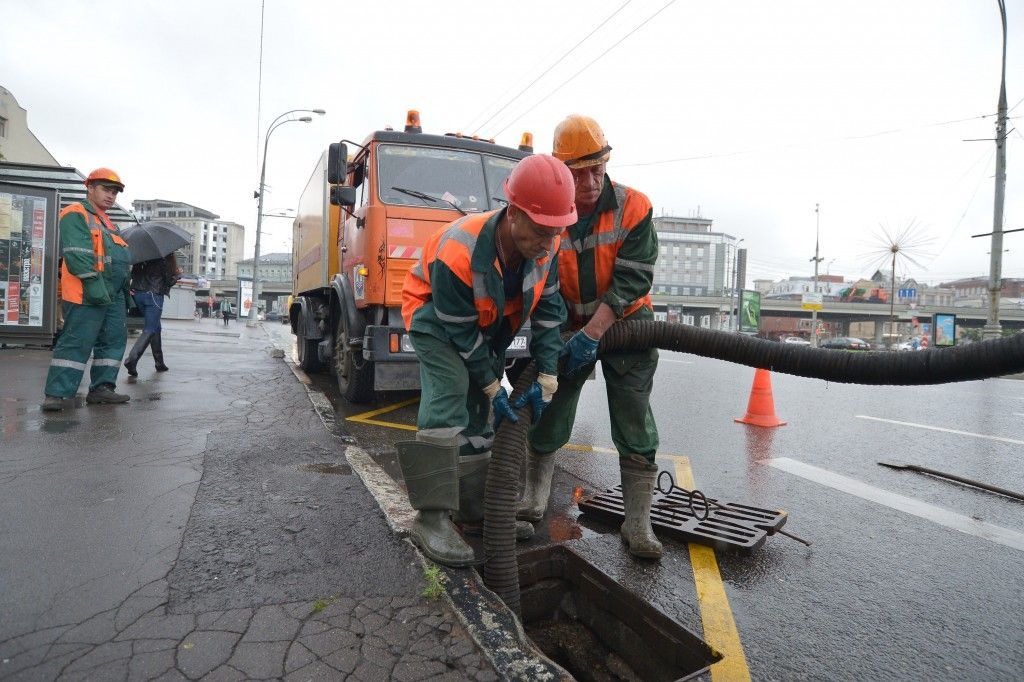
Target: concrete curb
[{"x": 496, "y": 631}]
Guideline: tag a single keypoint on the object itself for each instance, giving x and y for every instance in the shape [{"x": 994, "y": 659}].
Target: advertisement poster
[
  {"x": 22, "y": 263},
  {"x": 244, "y": 297},
  {"x": 945, "y": 329},
  {"x": 750, "y": 311}
]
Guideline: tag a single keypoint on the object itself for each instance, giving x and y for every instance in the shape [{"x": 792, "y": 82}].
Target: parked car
[
  {"x": 846, "y": 343},
  {"x": 273, "y": 315},
  {"x": 796, "y": 341}
]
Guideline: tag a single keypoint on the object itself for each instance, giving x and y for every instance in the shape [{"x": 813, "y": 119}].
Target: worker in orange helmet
[
  {"x": 478, "y": 280},
  {"x": 94, "y": 279},
  {"x": 606, "y": 269}
]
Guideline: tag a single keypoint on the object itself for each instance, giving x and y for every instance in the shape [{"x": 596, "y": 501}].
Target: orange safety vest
[
  {"x": 454, "y": 245},
  {"x": 71, "y": 289},
  {"x": 606, "y": 239}
]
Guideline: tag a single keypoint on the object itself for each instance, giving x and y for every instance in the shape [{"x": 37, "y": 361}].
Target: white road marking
[
  {"x": 908, "y": 505},
  {"x": 1014, "y": 441},
  {"x": 678, "y": 362}
]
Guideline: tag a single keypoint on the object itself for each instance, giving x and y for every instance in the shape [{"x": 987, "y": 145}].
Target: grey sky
[{"x": 751, "y": 111}]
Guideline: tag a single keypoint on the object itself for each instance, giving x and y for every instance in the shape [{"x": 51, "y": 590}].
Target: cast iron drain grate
[{"x": 722, "y": 525}]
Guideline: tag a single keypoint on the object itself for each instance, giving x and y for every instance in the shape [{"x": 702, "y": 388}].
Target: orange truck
[{"x": 361, "y": 224}]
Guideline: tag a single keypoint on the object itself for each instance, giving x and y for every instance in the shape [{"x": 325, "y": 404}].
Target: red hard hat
[
  {"x": 105, "y": 175},
  {"x": 542, "y": 187}
]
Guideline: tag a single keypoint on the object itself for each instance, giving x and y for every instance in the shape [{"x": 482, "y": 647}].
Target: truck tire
[
  {"x": 353, "y": 372},
  {"x": 309, "y": 360}
]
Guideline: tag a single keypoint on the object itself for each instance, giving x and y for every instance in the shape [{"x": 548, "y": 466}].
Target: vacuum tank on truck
[{"x": 361, "y": 224}]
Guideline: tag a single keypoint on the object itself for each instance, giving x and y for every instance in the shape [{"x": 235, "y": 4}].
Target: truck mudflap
[{"x": 395, "y": 365}]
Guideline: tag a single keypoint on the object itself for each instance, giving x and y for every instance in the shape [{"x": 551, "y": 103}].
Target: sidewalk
[{"x": 211, "y": 528}]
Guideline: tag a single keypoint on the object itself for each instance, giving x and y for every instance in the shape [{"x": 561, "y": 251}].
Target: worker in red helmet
[
  {"x": 95, "y": 274},
  {"x": 478, "y": 280},
  {"x": 606, "y": 269}
]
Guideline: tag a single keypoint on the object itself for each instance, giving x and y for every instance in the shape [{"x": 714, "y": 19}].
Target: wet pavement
[
  {"x": 908, "y": 577},
  {"x": 208, "y": 529}
]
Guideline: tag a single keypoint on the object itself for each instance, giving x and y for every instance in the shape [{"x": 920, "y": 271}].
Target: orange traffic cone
[{"x": 761, "y": 407}]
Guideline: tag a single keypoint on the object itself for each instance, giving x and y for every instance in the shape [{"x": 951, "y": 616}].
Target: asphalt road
[{"x": 908, "y": 577}]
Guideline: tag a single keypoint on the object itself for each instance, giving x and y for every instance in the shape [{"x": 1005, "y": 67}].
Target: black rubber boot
[
  {"x": 158, "y": 353},
  {"x": 137, "y": 350}
]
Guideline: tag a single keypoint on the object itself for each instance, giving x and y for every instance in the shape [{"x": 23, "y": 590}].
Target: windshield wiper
[{"x": 427, "y": 197}]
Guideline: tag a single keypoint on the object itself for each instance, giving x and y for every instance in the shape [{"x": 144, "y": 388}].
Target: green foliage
[{"x": 434, "y": 588}]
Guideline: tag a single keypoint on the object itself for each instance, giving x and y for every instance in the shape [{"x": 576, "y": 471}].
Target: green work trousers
[
  {"x": 97, "y": 330},
  {"x": 629, "y": 378},
  {"x": 451, "y": 404}
]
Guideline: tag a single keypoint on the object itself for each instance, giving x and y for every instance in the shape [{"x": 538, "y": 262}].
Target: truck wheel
[
  {"x": 309, "y": 360},
  {"x": 354, "y": 373}
]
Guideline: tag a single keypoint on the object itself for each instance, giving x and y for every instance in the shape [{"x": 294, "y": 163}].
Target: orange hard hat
[
  {"x": 542, "y": 187},
  {"x": 106, "y": 176},
  {"x": 580, "y": 142}
]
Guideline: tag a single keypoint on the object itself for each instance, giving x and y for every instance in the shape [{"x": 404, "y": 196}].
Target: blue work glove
[
  {"x": 539, "y": 395},
  {"x": 581, "y": 351},
  {"x": 502, "y": 408}
]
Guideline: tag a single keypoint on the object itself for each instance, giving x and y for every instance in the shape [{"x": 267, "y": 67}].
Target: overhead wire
[
  {"x": 587, "y": 66},
  {"x": 548, "y": 70}
]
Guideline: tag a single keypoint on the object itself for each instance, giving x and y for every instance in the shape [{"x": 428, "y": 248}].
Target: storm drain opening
[{"x": 590, "y": 625}]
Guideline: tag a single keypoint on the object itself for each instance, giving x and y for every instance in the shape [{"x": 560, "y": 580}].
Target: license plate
[{"x": 518, "y": 343}]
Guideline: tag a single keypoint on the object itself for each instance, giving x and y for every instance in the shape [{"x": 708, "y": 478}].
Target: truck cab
[{"x": 361, "y": 225}]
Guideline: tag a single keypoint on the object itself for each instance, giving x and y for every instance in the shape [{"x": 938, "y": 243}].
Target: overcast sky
[{"x": 749, "y": 112}]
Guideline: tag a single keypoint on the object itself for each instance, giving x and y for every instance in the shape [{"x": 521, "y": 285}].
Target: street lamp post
[
  {"x": 276, "y": 123},
  {"x": 734, "y": 311},
  {"x": 817, "y": 259},
  {"x": 992, "y": 329}
]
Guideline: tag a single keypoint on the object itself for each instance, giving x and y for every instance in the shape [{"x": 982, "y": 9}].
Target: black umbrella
[{"x": 154, "y": 239}]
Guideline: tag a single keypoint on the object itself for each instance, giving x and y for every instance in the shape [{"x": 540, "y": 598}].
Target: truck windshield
[{"x": 471, "y": 181}]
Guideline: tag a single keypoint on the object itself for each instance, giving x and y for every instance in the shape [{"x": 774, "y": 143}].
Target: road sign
[
  {"x": 812, "y": 301},
  {"x": 908, "y": 293}
]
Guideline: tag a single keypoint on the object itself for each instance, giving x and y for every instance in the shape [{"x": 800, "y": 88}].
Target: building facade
[
  {"x": 17, "y": 143},
  {"x": 694, "y": 261},
  {"x": 216, "y": 244},
  {"x": 274, "y": 267}
]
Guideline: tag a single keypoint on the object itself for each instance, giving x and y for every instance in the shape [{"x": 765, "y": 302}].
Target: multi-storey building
[
  {"x": 274, "y": 267},
  {"x": 216, "y": 244},
  {"x": 694, "y": 261}
]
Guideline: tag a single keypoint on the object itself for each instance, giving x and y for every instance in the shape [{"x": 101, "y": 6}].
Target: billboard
[
  {"x": 28, "y": 237},
  {"x": 945, "y": 329},
  {"x": 244, "y": 296},
  {"x": 750, "y": 311}
]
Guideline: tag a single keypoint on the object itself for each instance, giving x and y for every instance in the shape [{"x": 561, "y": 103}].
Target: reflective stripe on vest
[
  {"x": 455, "y": 245},
  {"x": 605, "y": 241},
  {"x": 71, "y": 285}
]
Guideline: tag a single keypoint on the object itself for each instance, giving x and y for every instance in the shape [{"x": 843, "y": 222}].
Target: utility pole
[
  {"x": 992, "y": 328},
  {"x": 817, "y": 259},
  {"x": 734, "y": 312}
]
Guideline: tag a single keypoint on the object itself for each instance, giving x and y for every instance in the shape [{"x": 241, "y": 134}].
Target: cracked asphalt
[{"x": 208, "y": 529}]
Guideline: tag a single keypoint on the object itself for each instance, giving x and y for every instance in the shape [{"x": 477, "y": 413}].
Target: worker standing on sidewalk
[
  {"x": 606, "y": 267},
  {"x": 479, "y": 279},
  {"x": 94, "y": 288}
]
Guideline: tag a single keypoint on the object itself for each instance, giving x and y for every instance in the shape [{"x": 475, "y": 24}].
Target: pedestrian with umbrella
[{"x": 154, "y": 271}]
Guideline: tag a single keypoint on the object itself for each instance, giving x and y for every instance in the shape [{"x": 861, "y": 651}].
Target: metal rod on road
[{"x": 954, "y": 477}]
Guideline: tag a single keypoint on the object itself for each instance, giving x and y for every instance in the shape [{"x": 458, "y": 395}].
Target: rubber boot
[
  {"x": 472, "y": 483},
  {"x": 137, "y": 350},
  {"x": 638, "y": 477},
  {"x": 539, "y": 469},
  {"x": 431, "y": 477},
  {"x": 158, "y": 353}
]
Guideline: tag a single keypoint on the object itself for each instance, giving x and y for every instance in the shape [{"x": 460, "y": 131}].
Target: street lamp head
[
  {"x": 306, "y": 119},
  {"x": 318, "y": 111}
]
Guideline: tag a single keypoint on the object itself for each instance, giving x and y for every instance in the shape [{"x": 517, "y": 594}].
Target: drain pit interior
[{"x": 590, "y": 625}]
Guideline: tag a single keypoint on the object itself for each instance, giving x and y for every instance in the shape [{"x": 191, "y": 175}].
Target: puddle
[
  {"x": 326, "y": 468},
  {"x": 597, "y": 630}
]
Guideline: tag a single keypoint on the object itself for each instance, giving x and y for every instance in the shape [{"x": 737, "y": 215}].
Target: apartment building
[{"x": 217, "y": 244}]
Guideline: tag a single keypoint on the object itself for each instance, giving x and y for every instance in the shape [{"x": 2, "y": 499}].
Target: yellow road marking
[
  {"x": 715, "y": 613},
  {"x": 367, "y": 417}
]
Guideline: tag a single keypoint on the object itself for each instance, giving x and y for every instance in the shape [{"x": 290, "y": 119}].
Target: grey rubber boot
[
  {"x": 539, "y": 469},
  {"x": 431, "y": 477},
  {"x": 472, "y": 482},
  {"x": 638, "y": 477},
  {"x": 137, "y": 350},
  {"x": 158, "y": 353}
]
